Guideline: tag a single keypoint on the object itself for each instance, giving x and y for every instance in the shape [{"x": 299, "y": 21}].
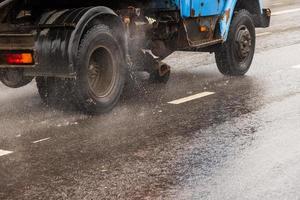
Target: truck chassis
[{"x": 81, "y": 51}]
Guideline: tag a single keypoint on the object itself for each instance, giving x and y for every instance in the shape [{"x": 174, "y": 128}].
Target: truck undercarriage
[{"x": 47, "y": 40}]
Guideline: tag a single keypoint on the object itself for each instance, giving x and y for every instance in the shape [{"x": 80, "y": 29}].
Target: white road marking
[
  {"x": 4, "y": 152},
  {"x": 286, "y": 11},
  {"x": 263, "y": 34},
  {"x": 296, "y": 67},
  {"x": 191, "y": 98},
  {"x": 276, "y": 4},
  {"x": 41, "y": 140}
]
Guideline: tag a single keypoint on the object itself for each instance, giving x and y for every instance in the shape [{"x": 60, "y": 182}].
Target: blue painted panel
[
  {"x": 185, "y": 8},
  {"x": 207, "y": 7},
  {"x": 196, "y": 8}
]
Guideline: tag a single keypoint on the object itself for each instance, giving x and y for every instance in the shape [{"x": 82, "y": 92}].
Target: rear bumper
[{"x": 265, "y": 18}]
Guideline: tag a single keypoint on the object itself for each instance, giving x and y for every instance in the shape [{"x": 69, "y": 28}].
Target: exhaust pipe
[{"x": 163, "y": 69}]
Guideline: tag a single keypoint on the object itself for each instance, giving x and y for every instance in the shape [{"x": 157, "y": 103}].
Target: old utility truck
[{"x": 82, "y": 50}]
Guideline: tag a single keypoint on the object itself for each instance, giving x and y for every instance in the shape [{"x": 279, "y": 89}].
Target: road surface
[{"x": 201, "y": 136}]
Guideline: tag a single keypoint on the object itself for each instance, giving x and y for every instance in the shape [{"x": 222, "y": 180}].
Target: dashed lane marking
[
  {"x": 263, "y": 34},
  {"x": 276, "y": 4},
  {"x": 191, "y": 98},
  {"x": 296, "y": 67},
  {"x": 41, "y": 140},
  {"x": 286, "y": 11},
  {"x": 4, "y": 152}
]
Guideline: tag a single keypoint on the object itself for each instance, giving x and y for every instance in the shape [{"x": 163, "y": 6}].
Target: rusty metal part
[
  {"x": 227, "y": 15},
  {"x": 197, "y": 38}
]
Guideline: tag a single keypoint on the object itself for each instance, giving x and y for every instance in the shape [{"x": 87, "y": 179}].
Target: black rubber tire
[
  {"x": 227, "y": 61},
  {"x": 99, "y": 36}
]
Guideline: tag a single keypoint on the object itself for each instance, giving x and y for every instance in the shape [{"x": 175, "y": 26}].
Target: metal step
[{"x": 205, "y": 43}]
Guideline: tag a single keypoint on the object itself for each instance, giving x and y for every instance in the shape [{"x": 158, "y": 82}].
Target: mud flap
[{"x": 265, "y": 18}]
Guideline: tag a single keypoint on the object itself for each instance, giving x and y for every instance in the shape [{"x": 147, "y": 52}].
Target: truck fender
[
  {"x": 233, "y": 5},
  {"x": 59, "y": 34},
  {"x": 106, "y": 16}
]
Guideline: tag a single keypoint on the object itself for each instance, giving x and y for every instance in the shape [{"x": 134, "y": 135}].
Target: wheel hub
[
  {"x": 244, "y": 42},
  {"x": 101, "y": 72}
]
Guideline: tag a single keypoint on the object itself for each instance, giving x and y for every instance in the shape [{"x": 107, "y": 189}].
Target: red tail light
[{"x": 19, "y": 59}]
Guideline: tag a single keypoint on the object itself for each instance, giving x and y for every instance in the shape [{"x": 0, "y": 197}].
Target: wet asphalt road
[{"x": 242, "y": 142}]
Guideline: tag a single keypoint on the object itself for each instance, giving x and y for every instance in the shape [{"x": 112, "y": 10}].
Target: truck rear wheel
[
  {"x": 100, "y": 71},
  {"x": 235, "y": 56}
]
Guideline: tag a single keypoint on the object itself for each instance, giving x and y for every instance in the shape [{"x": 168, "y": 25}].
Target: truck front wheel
[
  {"x": 100, "y": 71},
  {"x": 234, "y": 57}
]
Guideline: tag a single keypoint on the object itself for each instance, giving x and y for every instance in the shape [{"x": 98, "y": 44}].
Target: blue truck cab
[
  {"x": 222, "y": 9},
  {"x": 225, "y": 8},
  {"x": 83, "y": 49}
]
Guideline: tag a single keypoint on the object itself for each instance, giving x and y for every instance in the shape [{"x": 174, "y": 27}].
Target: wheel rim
[
  {"x": 243, "y": 43},
  {"x": 101, "y": 72}
]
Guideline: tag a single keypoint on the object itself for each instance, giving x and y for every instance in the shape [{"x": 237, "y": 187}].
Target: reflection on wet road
[{"x": 223, "y": 138}]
